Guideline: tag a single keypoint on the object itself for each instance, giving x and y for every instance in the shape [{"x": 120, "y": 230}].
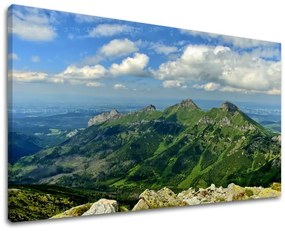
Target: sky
[{"x": 63, "y": 57}]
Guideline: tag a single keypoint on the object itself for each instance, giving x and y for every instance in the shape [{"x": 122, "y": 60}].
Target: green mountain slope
[
  {"x": 20, "y": 145},
  {"x": 179, "y": 147}
]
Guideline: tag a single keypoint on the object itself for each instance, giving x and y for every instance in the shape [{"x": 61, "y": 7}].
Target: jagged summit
[
  {"x": 229, "y": 107},
  {"x": 114, "y": 112},
  {"x": 103, "y": 117},
  {"x": 149, "y": 108},
  {"x": 188, "y": 103}
]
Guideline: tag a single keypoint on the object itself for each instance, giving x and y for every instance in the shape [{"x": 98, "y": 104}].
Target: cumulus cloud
[
  {"x": 189, "y": 65},
  {"x": 107, "y": 30},
  {"x": 83, "y": 73},
  {"x": 163, "y": 49},
  {"x": 35, "y": 59},
  {"x": 219, "y": 67},
  {"x": 119, "y": 86},
  {"x": 114, "y": 49},
  {"x": 27, "y": 76},
  {"x": 173, "y": 84},
  {"x": 13, "y": 56},
  {"x": 94, "y": 84},
  {"x": 31, "y": 24},
  {"x": 208, "y": 86},
  {"x": 118, "y": 47},
  {"x": 131, "y": 66}
]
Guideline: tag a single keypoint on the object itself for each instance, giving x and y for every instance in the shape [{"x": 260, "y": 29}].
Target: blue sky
[{"x": 62, "y": 57}]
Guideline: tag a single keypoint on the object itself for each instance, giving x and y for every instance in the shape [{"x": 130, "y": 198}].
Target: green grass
[
  {"x": 26, "y": 205},
  {"x": 189, "y": 179},
  {"x": 36, "y": 202}
]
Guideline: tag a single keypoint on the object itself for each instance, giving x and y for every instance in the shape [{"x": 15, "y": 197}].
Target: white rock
[
  {"x": 141, "y": 205},
  {"x": 102, "y": 206},
  {"x": 212, "y": 187},
  {"x": 220, "y": 190},
  {"x": 193, "y": 201}
]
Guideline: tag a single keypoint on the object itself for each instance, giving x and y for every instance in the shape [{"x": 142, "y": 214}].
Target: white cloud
[
  {"x": 274, "y": 91},
  {"x": 217, "y": 87},
  {"x": 119, "y": 86},
  {"x": 56, "y": 80},
  {"x": 33, "y": 76},
  {"x": 188, "y": 66},
  {"x": 13, "y": 56},
  {"x": 35, "y": 59},
  {"x": 107, "y": 30},
  {"x": 222, "y": 69},
  {"x": 114, "y": 49},
  {"x": 244, "y": 43},
  {"x": 94, "y": 84},
  {"x": 267, "y": 53},
  {"x": 163, "y": 49},
  {"x": 79, "y": 18},
  {"x": 31, "y": 24},
  {"x": 205, "y": 35},
  {"x": 208, "y": 86},
  {"x": 83, "y": 73},
  {"x": 27, "y": 76},
  {"x": 131, "y": 66},
  {"x": 173, "y": 84},
  {"x": 118, "y": 47},
  {"x": 225, "y": 40}
]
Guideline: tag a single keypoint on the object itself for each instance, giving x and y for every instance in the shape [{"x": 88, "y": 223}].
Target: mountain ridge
[
  {"x": 103, "y": 117},
  {"x": 178, "y": 147}
]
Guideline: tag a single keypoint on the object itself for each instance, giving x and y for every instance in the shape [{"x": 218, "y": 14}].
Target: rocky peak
[
  {"x": 227, "y": 106},
  {"x": 188, "y": 103},
  {"x": 149, "y": 108},
  {"x": 103, "y": 117},
  {"x": 113, "y": 112}
]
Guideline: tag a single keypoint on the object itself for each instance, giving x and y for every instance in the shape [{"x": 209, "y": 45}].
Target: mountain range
[{"x": 180, "y": 147}]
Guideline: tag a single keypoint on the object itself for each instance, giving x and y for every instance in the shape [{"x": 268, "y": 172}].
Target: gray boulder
[
  {"x": 141, "y": 205},
  {"x": 103, "y": 206},
  {"x": 160, "y": 199}
]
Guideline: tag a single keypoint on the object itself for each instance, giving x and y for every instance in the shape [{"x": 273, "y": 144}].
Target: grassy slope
[
  {"x": 36, "y": 202},
  {"x": 25, "y": 205},
  {"x": 174, "y": 148}
]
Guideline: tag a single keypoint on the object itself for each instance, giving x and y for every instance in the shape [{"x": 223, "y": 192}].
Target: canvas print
[{"x": 108, "y": 116}]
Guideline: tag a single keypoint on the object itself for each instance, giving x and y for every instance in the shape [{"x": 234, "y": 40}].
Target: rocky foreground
[{"x": 165, "y": 197}]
